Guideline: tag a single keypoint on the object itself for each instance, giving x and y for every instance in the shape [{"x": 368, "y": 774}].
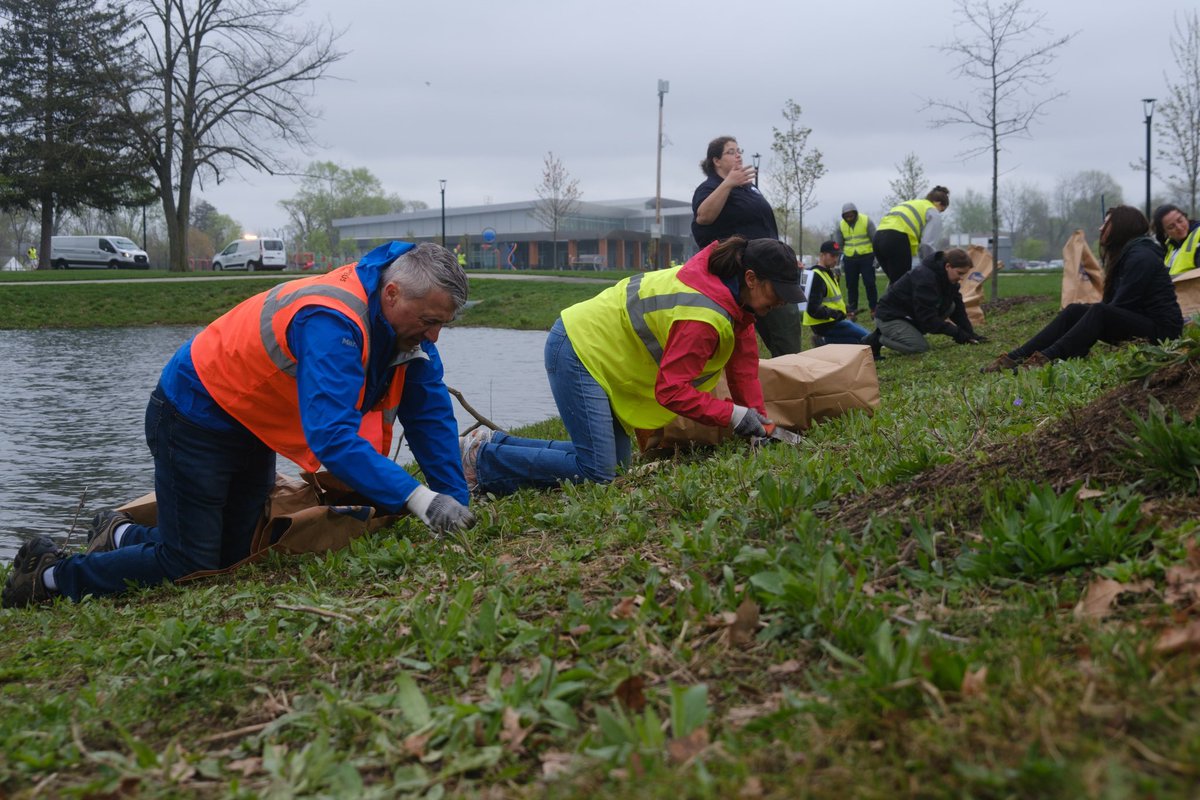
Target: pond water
[{"x": 74, "y": 404}]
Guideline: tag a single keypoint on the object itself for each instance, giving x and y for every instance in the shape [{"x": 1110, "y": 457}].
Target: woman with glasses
[{"x": 728, "y": 203}]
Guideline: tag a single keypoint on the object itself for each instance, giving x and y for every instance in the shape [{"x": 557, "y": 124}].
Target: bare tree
[
  {"x": 1004, "y": 51},
  {"x": 910, "y": 182},
  {"x": 799, "y": 169},
  {"x": 231, "y": 81},
  {"x": 1179, "y": 116},
  {"x": 558, "y": 197}
]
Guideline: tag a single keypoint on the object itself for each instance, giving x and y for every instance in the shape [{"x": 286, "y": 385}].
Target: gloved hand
[
  {"x": 962, "y": 337},
  {"x": 747, "y": 422},
  {"x": 440, "y": 512},
  {"x": 838, "y": 316},
  {"x": 978, "y": 338}
]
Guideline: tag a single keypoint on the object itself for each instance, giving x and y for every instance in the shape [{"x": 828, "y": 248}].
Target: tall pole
[
  {"x": 1148, "y": 108},
  {"x": 443, "y": 183},
  {"x": 754, "y": 160},
  {"x": 663, "y": 88}
]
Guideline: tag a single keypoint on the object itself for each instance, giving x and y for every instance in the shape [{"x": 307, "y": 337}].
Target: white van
[
  {"x": 251, "y": 253},
  {"x": 105, "y": 252}
]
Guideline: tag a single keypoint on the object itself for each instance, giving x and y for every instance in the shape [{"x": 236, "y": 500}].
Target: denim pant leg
[
  {"x": 211, "y": 488},
  {"x": 598, "y": 442},
  {"x": 844, "y": 332}
]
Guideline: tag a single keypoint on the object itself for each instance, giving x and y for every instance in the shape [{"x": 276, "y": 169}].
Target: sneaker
[
  {"x": 24, "y": 586},
  {"x": 101, "y": 535},
  {"x": 873, "y": 339},
  {"x": 1035, "y": 360},
  {"x": 1002, "y": 363},
  {"x": 469, "y": 447}
]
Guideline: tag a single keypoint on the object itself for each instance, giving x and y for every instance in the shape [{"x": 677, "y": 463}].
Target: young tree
[
  {"x": 230, "y": 83},
  {"x": 971, "y": 213},
  {"x": 799, "y": 169},
  {"x": 1179, "y": 115},
  {"x": 558, "y": 197},
  {"x": 63, "y": 142},
  {"x": 910, "y": 182},
  {"x": 1005, "y": 52},
  {"x": 1079, "y": 202},
  {"x": 218, "y": 228}
]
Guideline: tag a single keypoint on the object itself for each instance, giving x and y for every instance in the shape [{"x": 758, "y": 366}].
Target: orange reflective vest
[{"x": 244, "y": 362}]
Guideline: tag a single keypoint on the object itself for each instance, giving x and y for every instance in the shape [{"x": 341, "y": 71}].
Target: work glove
[
  {"x": 838, "y": 316},
  {"x": 978, "y": 338},
  {"x": 962, "y": 337},
  {"x": 748, "y": 422},
  {"x": 440, "y": 512}
]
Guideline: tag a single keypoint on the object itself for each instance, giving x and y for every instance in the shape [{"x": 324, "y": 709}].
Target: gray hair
[{"x": 426, "y": 267}]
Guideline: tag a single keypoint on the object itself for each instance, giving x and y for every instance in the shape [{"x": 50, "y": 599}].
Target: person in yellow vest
[
  {"x": 641, "y": 353},
  {"x": 910, "y": 232},
  {"x": 316, "y": 369},
  {"x": 1179, "y": 235},
  {"x": 461, "y": 256},
  {"x": 853, "y": 235},
  {"x": 825, "y": 312},
  {"x": 32, "y": 254}
]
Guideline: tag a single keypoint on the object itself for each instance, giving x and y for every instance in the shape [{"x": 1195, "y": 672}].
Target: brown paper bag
[
  {"x": 1083, "y": 279},
  {"x": 799, "y": 389},
  {"x": 971, "y": 287},
  {"x": 1187, "y": 290}
]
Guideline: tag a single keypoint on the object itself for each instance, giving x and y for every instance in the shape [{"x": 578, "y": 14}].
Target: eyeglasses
[{"x": 736, "y": 152}]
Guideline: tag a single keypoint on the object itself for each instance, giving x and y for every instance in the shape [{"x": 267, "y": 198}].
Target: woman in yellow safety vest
[
  {"x": 1179, "y": 235},
  {"x": 639, "y": 354},
  {"x": 910, "y": 231}
]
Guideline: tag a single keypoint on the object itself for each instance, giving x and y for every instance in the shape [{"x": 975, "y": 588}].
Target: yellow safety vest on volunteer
[
  {"x": 908, "y": 218},
  {"x": 833, "y": 298},
  {"x": 1182, "y": 258},
  {"x": 857, "y": 242},
  {"x": 619, "y": 336}
]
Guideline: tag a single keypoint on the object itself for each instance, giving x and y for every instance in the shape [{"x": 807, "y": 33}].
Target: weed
[{"x": 1165, "y": 446}]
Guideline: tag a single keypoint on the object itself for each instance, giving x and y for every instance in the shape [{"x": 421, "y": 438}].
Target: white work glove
[
  {"x": 440, "y": 512},
  {"x": 747, "y": 422}
]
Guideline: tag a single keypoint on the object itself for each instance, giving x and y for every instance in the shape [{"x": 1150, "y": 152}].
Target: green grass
[{"x": 707, "y": 626}]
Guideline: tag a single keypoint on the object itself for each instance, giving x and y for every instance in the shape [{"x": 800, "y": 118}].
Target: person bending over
[{"x": 924, "y": 300}]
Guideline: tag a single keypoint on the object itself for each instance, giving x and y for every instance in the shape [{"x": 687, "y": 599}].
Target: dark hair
[
  {"x": 716, "y": 149},
  {"x": 726, "y": 260},
  {"x": 1160, "y": 214},
  {"x": 958, "y": 258},
  {"x": 939, "y": 194},
  {"x": 1125, "y": 223}
]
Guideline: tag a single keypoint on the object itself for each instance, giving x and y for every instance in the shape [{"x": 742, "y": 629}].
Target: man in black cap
[{"x": 826, "y": 310}]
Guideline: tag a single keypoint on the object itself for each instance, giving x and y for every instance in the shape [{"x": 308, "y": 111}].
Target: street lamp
[
  {"x": 1148, "y": 108},
  {"x": 754, "y": 160},
  {"x": 443, "y": 183},
  {"x": 656, "y": 234}
]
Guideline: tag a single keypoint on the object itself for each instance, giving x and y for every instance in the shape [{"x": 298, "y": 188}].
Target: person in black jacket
[
  {"x": 1139, "y": 300},
  {"x": 924, "y": 300}
]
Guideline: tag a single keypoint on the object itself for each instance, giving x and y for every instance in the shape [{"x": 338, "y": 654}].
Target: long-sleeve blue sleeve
[{"x": 427, "y": 414}]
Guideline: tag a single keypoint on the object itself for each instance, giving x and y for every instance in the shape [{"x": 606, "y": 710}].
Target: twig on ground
[
  {"x": 75, "y": 519},
  {"x": 320, "y": 612},
  {"x": 946, "y": 637},
  {"x": 471, "y": 410},
  {"x": 237, "y": 733}
]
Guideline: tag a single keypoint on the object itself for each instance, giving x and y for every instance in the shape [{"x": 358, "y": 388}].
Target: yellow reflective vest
[
  {"x": 1182, "y": 258},
  {"x": 858, "y": 243},
  {"x": 833, "y": 298},
  {"x": 909, "y": 218},
  {"x": 619, "y": 336}
]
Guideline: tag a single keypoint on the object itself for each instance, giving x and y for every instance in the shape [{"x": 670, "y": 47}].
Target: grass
[{"x": 722, "y": 624}]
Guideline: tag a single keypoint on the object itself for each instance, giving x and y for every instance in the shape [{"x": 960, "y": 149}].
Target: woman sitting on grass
[{"x": 1139, "y": 300}]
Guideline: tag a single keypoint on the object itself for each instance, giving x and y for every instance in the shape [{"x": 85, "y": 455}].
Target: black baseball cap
[
  {"x": 830, "y": 246},
  {"x": 775, "y": 261}
]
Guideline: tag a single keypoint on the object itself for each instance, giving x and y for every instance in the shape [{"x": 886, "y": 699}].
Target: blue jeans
[
  {"x": 211, "y": 488},
  {"x": 598, "y": 442},
  {"x": 843, "y": 332}
]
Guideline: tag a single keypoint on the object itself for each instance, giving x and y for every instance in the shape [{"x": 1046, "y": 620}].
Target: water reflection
[{"x": 74, "y": 403}]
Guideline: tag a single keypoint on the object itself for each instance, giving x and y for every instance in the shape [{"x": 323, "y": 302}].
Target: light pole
[
  {"x": 754, "y": 160},
  {"x": 656, "y": 234},
  {"x": 1148, "y": 108},
  {"x": 443, "y": 183}
]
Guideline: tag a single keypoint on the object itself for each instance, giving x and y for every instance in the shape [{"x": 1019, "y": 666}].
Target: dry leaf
[
  {"x": 751, "y": 788},
  {"x": 1088, "y": 494},
  {"x": 1183, "y": 585},
  {"x": 974, "y": 683},
  {"x": 688, "y": 747},
  {"x": 416, "y": 744},
  {"x": 246, "y": 766},
  {"x": 1193, "y": 553},
  {"x": 630, "y": 693},
  {"x": 1177, "y": 640},
  {"x": 786, "y": 668},
  {"x": 1101, "y": 594},
  {"x": 745, "y": 625},
  {"x": 625, "y": 609},
  {"x": 556, "y": 764},
  {"x": 511, "y": 732},
  {"x": 580, "y": 630}
]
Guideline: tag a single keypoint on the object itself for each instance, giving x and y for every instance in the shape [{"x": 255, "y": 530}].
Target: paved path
[{"x": 498, "y": 276}]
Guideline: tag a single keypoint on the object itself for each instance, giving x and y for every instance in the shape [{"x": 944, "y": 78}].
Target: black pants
[
  {"x": 1077, "y": 327},
  {"x": 780, "y": 330},
  {"x": 893, "y": 252},
  {"x": 854, "y": 267}
]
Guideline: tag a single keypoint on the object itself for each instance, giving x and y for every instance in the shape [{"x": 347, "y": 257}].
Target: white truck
[{"x": 103, "y": 251}]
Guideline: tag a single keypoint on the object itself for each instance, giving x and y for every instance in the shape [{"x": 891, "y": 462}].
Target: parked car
[
  {"x": 251, "y": 253},
  {"x": 105, "y": 252}
]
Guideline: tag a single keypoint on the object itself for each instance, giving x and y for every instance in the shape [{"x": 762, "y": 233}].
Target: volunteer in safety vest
[
  {"x": 1179, "y": 235},
  {"x": 910, "y": 233},
  {"x": 640, "y": 353},
  {"x": 317, "y": 370},
  {"x": 825, "y": 311},
  {"x": 853, "y": 235}
]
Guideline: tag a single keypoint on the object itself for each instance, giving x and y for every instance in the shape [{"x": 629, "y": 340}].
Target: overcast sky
[{"x": 477, "y": 91}]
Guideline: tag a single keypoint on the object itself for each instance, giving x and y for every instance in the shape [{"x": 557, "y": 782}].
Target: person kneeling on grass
[
  {"x": 925, "y": 300},
  {"x": 1139, "y": 300},
  {"x": 825, "y": 311},
  {"x": 641, "y": 353}
]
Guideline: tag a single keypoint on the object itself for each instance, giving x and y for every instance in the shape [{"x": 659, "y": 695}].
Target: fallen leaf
[
  {"x": 1193, "y": 552},
  {"x": 745, "y": 625},
  {"x": 974, "y": 683},
  {"x": 580, "y": 630},
  {"x": 786, "y": 668},
  {"x": 688, "y": 747},
  {"x": 1097, "y": 601},
  {"x": 246, "y": 766},
  {"x": 511, "y": 732},
  {"x": 1088, "y": 494},
  {"x": 556, "y": 763},
  {"x": 1177, "y": 640},
  {"x": 1183, "y": 585},
  {"x": 630, "y": 693},
  {"x": 751, "y": 788},
  {"x": 415, "y": 744},
  {"x": 625, "y": 609}
]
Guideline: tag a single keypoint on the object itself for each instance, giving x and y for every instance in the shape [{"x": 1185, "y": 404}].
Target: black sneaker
[
  {"x": 24, "y": 586},
  {"x": 873, "y": 340},
  {"x": 102, "y": 534}
]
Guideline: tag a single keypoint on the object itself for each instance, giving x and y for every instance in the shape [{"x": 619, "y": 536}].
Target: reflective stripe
[
  {"x": 915, "y": 223},
  {"x": 639, "y": 307},
  {"x": 272, "y": 305}
]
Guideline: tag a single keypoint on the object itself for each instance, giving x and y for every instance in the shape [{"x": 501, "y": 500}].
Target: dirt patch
[
  {"x": 1002, "y": 304},
  {"x": 1083, "y": 446}
]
